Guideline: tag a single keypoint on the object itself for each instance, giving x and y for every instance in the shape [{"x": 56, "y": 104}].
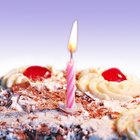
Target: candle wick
[{"x": 71, "y": 55}]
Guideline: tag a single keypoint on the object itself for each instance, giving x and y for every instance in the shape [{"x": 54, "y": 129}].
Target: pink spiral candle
[{"x": 70, "y": 96}]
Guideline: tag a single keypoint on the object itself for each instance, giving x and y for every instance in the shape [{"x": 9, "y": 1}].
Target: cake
[{"x": 30, "y": 95}]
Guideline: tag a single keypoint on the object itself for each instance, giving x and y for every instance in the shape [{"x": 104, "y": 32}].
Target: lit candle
[{"x": 70, "y": 71}]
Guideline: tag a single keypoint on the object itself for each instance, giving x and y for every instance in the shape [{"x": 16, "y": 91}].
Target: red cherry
[
  {"x": 114, "y": 74},
  {"x": 37, "y": 73}
]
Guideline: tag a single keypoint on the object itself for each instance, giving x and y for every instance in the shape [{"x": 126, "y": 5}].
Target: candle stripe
[
  {"x": 71, "y": 92},
  {"x": 70, "y": 69},
  {"x": 70, "y": 81},
  {"x": 71, "y": 88},
  {"x": 70, "y": 84},
  {"x": 72, "y": 103}
]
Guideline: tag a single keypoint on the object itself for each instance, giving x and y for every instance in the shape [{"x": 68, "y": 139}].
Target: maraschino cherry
[
  {"x": 37, "y": 73},
  {"x": 114, "y": 74}
]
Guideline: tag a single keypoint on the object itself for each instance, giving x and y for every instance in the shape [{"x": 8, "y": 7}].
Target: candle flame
[{"x": 73, "y": 38}]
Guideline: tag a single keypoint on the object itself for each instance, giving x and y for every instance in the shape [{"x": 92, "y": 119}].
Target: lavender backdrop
[{"x": 37, "y": 32}]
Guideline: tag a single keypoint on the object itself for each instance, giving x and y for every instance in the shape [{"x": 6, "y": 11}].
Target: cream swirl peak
[
  {"x": 34, "y": 75},
  {"x": 128, "y": 123},
  {"x": 93, "y": 81}
]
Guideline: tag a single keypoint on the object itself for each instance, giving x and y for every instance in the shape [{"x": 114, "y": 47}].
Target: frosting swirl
[
  {"x": 16, "y": 76},
  {"x": 129, "y": 123},
  {"x": 91, "y": 80}
]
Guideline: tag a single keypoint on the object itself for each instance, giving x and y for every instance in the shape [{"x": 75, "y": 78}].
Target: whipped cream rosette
[
  {"x": 34, "y": 75},
  {"x": 93, "y": 81},
  {"x": 128, "y": 124},
  {"x": 15, "y": 76}
]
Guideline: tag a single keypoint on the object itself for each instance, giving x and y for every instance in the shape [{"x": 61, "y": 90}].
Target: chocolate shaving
[
  {"x": 2, "y": 123},
  {"x": 46, "y": 99},
  {"x": 44, "y": 129},
  {"x": 114, "y": 115}
]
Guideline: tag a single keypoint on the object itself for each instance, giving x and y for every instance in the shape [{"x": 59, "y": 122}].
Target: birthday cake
[{"x": 108, "y": 104}]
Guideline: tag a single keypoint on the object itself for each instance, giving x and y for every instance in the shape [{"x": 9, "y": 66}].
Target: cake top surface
[{"x": 28, "y": 102}]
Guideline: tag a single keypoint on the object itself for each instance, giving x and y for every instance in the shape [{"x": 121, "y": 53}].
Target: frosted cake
[{"x": 29, "y": 98}]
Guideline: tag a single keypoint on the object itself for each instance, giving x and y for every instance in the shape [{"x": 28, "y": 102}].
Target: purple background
[{"x": 37, "y": 32}]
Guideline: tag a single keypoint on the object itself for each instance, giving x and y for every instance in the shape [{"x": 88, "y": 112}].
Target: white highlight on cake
[
  {"x": 129, "y": 123},
  {"x": 91, "y": 80},
  {"x": 15, "y": 104}
]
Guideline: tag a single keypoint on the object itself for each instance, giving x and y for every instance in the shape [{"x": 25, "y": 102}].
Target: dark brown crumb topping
[
  {"x": 32, "y": 98},
  {"x": 46, "y": 99}
]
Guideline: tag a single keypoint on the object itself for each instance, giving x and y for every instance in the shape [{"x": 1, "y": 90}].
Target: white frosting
[
  {"x": 16, "y": 76},
  {"x": 13, "y": 77},
  {"x": 15, "y": 104},
  {"x": 129, "y": 123},
  {"x": 102, "y": 127},
  {"x": 91, "y": 80},
  {"x": 98, "y": 128}
]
